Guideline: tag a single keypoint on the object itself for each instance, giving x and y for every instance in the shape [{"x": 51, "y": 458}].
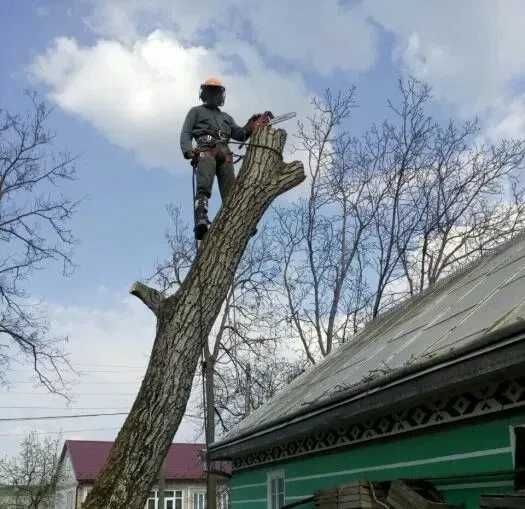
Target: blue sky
[{"x": 121, "y": 75}]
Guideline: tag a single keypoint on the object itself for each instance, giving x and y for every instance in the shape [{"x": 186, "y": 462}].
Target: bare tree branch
[{"x": 34, "y": 230}]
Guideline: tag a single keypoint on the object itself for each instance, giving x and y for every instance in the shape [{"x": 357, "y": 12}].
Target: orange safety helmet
[
  {"x": 212, "y": 81},
  {"x": 212, "y": 92}
]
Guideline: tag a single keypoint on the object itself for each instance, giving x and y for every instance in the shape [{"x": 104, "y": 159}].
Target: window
[
  {"x": 275, "y": 489},
  {"x": 199, "y": 500},
  {"x": 173, "y": 499}
]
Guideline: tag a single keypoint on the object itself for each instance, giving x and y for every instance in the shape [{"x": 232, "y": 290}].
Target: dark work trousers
[{"x": 215, "y": 161}]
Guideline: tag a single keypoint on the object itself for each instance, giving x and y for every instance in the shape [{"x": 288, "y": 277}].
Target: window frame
[
  {"x": 173, "y": 498},
  {"x": 177, "y": 495},
  {"x": 198, "y": 493},
  {"x": 154, "y": 498},
  {"x": 270, "y": 477}
]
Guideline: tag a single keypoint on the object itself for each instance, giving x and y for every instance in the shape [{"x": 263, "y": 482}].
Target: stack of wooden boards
[
  {"x": 351, "y": 496},
  {"x": 367, "y": 495}
]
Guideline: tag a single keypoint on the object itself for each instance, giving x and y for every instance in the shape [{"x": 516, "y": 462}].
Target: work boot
[{"x": 201, "y": 217}]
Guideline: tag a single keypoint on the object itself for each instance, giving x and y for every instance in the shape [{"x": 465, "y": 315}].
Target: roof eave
[{"x": 503, "y": 349}]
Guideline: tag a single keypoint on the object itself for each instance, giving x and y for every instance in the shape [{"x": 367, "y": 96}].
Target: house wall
[
  {"x": 65, "y": 495},
  {"x": 187, "y": 488},
  {"x": 463, "y": 461}
]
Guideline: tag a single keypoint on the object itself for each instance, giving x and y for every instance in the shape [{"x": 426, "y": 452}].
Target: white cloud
[
  {"x": 321, "y": 36},
  {"x": 136, "y": 86},
  {"x": 138, "y": 95},
  {"x": 471, "y": 52}
]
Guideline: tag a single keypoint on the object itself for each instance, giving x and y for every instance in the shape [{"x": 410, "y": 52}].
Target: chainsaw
[{"x": 268, "y": 118}]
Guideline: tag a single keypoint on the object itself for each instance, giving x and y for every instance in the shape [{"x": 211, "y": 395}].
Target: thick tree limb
[
  {"x": 147, "y": 295},
  {"x": 183, "y": 324}
]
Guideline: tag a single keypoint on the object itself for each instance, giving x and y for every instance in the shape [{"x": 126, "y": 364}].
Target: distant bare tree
[
  {"x": 33, "y": 474},
  {"x": 321, "y": 238},
  {"x": 34, "y": 231},
  {"x": 448, "y": 197},
  {"x": 244, "y": 385},
  {"x": 387, "y": 213}
]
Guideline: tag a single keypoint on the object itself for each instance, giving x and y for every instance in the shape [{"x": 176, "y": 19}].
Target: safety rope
[
  {"x": 258, "y": 145},
  {"x": 201, "y": 328}
]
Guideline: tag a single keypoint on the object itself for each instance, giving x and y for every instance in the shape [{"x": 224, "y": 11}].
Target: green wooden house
[{"x": 432, "y": 390}]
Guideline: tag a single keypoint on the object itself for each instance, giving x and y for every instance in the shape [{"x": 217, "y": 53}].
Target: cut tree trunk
[{"x": 184, "y": 321}]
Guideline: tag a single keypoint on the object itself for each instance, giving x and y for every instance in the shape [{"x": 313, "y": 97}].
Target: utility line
[
  {"x": 7, "y": 393},
  {"x": 53, "y": 417},
  {"x": 75, "y": 382},
  {"x": 114, "y": 408},
  {"x": 75, "y": 416},
  {"x": 62, "y": 432}
]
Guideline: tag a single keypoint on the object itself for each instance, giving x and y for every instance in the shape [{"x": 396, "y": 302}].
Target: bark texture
[{"x": 183, "y": 319}]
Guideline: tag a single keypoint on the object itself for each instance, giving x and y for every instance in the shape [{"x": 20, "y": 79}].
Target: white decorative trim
[
  {"x": 254, "y": 485},
  {"x": 249, "y": 501},
  {"x": 405, "y": 464}
]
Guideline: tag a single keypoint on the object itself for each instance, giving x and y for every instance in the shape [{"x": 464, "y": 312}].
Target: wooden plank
[
  {"x": 354, "y": 495},
  {"x": 401, "y": 496}
]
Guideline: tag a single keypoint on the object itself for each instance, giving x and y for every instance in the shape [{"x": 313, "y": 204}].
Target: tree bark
[
  {"x": 184, "y": 321},
  {"x": 161, "y": 486}
]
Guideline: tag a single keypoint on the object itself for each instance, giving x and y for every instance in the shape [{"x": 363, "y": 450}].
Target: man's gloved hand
[
  {"x": 189, "y": 154},
  {"x": 252, "y": 123}
]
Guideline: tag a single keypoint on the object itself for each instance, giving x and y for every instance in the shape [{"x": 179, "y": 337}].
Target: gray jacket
[{"x": 202, "y": 119}]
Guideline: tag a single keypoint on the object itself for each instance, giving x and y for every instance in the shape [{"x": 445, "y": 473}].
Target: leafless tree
[
  {"x": 34, "y": 232},
  {"x": 388, "y": 213},
  {"x": 244, "y": 385},
  {"x": 33, "y": 474},
  {"x": 448, "y": 196},
  {"x": 321, "y": 238}
]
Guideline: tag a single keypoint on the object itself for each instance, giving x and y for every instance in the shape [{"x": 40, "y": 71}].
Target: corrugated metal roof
[{"x": 485, "y": 296}]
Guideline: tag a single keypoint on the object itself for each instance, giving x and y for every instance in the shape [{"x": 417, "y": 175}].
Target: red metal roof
[{"x": 184, "y": 461}]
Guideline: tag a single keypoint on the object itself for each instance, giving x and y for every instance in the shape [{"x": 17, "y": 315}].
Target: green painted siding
[{"x": 464, "y": 461}]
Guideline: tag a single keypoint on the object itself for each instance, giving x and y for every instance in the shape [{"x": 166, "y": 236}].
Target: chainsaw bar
[{"x": 282, "y": 118}]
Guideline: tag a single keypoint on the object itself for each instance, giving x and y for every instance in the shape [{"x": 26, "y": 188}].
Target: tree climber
[{"x": 212, "y": 129}]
